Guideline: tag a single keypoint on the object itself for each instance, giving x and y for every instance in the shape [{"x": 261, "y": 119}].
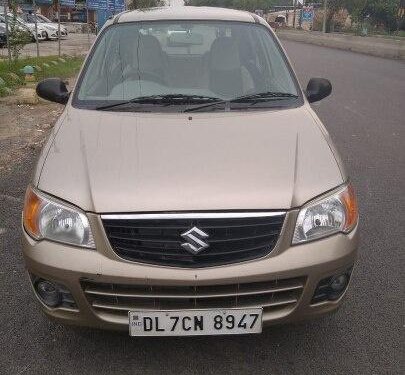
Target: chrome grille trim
[
  {"x": 118, "y": 299},
  {"x": 104, "y": 306},
  {"x": 98, "y": 292},
  {"x": 196, "y": 215}
]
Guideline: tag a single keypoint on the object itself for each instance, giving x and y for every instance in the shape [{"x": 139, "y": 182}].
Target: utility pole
[
  {"x": 295, "y": 12},
  {"x": 5, "y": 6},
  {"x": 34, "y": 6},
  {"x": 88, "y": 26},
  {"x": 325, "y": 14},
  {"x": 59, "y": 28}
]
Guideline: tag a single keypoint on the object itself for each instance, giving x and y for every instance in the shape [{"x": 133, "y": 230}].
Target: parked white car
[
  {"x": 51, "y": 28},
  {"x": 41, "y": 32}
]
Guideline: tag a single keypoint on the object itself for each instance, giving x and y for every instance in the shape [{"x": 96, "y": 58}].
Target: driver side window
[{"x": 114, "y": 57}]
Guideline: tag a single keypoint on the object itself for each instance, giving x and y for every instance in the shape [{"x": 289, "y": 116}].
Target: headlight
[
  {"x": 337, "y": 212},
  {"x": 46, "y": 218}
]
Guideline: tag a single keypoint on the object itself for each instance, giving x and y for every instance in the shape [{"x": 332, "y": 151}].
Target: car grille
[
  {"x": 157, "y": 239},
  {"x": 118, "y": 299}
]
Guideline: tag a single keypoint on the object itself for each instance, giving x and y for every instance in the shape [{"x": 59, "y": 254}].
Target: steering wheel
[{"x": 147, "y": 76}]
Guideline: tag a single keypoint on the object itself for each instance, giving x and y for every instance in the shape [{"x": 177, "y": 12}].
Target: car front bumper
[
  {"x": 53, "y": 34},
  {"x": 302, "y": 267}
]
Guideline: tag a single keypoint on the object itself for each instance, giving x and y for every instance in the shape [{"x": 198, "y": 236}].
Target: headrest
[
  {"x": 225, "y": 54},
  {"x": 150, "y": 53}
]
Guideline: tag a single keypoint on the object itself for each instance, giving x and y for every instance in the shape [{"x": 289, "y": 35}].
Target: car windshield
[
  {"x": 30, "y": 18},
  {"x": 176, "y": 64},
  {"x": 43, "y": 19},
  {"x": 13, "y": 19}
]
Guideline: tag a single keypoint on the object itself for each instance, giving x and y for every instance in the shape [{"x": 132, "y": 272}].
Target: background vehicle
[
  {"x": 20, "y": 23},
  {"x": 51, "y": 28},
  {"x": 3, "y": 36},
  {"x": 281, "y": 20},
  {"x": 15, "y": 25}
]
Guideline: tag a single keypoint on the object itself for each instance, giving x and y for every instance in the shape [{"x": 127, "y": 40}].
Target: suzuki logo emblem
[{"x": 195, "y": 243}]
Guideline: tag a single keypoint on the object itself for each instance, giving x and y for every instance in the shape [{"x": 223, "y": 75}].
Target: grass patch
[
  {"x": 66, "y": 69},
  {"x": 394, "y": 35},
  {"x": 375, "y": 32}
]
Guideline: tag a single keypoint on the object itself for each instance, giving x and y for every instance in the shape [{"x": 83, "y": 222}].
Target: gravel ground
[{"x": 23, "y": 129}]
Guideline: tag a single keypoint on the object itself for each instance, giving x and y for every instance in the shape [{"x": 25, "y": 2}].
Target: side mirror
[
  {"x": 54, "y": 90},
  {"x": 318, "y": 89}
]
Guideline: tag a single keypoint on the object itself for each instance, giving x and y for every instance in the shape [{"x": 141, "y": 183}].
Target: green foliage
[
  {"x": 376, "y": 12},
  {"x": 250, "y": 5},
  {"x": 62, "y": 70},
  {"x": 142, "y": 4},
  {"x": 283, "y": 2},
  {"x": 18, "y": 37},
  {"x": 382, "y": 12}
]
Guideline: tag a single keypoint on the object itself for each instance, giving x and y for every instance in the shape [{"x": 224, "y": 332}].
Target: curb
[{"x": 391, "y": 49}]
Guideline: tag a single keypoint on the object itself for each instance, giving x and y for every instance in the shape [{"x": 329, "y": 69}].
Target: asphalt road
[{"x": 366, "y": 117}]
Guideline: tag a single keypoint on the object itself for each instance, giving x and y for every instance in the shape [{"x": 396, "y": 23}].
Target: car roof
[{"x": 187, "y": 13}]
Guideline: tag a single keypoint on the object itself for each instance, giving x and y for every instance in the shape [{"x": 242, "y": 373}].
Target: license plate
[{"x": 195, "y": 322}]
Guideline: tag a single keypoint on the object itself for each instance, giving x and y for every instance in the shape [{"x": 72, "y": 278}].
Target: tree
[
  {"x": 18, "y": 37},
  {"x": 141, "y": 4},
  {"x": 250, "y": 5},
  {"x": 377, "y": 12},
  {"x": 382, "y": 12}
]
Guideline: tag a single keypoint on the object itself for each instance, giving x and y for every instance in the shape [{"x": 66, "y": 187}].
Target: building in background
[{"x": 95, "y": 12}]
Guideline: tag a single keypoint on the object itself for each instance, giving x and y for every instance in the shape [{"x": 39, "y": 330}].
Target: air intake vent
[{"x": 118, "y": 299}]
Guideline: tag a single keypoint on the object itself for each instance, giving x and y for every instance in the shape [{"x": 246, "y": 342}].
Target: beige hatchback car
[{"x": 188, "y": 188}]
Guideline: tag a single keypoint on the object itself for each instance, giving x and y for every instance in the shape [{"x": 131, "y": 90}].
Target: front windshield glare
[
  {"x": 223, "y": 60},
  {"x": 43, "y": 19}
]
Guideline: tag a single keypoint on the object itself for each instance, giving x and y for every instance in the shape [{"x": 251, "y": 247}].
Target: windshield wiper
[
  {"x": 264, "y": 96},
  {"x": 253, "y": 99},
  {"x": 163, "y": 100}
]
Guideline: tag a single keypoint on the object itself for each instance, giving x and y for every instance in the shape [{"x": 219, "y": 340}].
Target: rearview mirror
[
  {"x": 184, "y": 39},
  {"x": 318, "y": 89},
  {"x": 54, "y": 90}
]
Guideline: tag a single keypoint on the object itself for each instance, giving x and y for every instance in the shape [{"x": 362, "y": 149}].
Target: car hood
[{"x": 109, "y": 162}]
